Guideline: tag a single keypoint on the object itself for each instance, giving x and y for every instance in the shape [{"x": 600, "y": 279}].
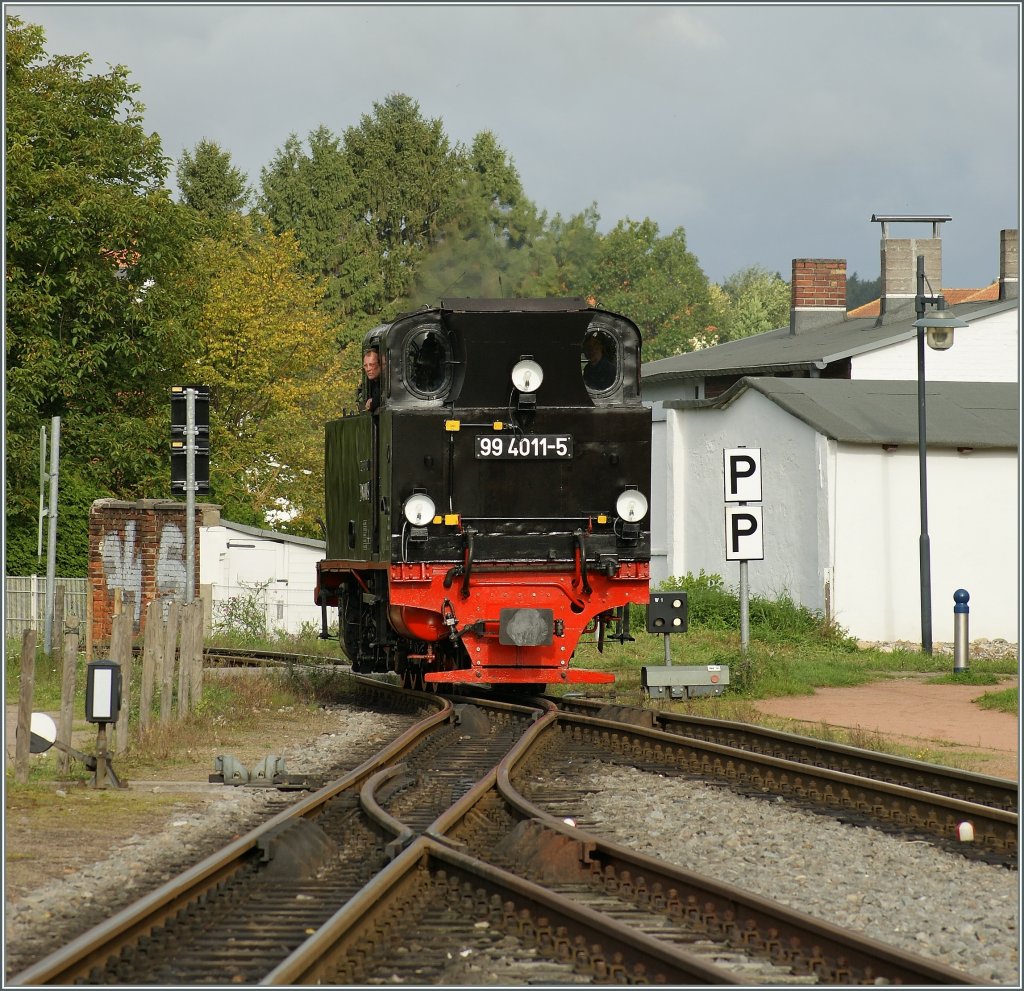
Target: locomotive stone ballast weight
[{"x": 494, "y": 512}]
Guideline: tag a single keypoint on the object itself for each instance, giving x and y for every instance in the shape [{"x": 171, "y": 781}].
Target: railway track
[
  {"x": 997, "y": 793},
  {"x": 435, "y": 854}
]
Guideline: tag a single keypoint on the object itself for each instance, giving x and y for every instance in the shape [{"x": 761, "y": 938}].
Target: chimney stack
[
  {"x": 1009, "y": 264},
  {"x": 899, "y": 263},
  {"x": 817, "y": 293}
]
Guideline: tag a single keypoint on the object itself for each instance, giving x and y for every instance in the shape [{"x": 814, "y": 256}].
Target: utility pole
[{"x": 51, "y": 547}]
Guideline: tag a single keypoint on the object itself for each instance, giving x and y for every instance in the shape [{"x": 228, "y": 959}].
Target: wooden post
[
  {"x": 185, "y": 661},
  {"x": 65, "y": 725},
  {"x": 58, "y": 621},
  {"x": 28, "y": 684},
  {"x": 206, "y": 597},
  {"x": 151, "y": 655},
  {"x": 88, "y": 622},
  {"x": 170, "y": 649},
  {"x": 199, "y": 622},
  {"x": 121, "y": 653}
]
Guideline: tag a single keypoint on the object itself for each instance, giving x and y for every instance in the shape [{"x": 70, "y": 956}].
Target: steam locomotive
[{"x": 493, "y": 511}]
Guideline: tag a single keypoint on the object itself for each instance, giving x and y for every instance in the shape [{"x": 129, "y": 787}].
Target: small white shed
[{"x": 276, "y": 569}]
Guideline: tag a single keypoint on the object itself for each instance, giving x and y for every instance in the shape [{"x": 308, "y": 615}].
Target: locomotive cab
[{"x": 495, "y": 509}]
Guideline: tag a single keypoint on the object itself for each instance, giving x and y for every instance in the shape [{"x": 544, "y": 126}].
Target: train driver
[
  {"x": 599, "y": 371},
  {"x": 371, "y": 369}
]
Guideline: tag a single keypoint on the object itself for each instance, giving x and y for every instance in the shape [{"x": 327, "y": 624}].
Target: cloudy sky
[{"x": 768, "y": 132}]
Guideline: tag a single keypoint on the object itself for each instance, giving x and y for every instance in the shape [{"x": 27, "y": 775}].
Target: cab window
[
  {"x": 427, "y": 362},
  {"x": 600, "y": 361}
]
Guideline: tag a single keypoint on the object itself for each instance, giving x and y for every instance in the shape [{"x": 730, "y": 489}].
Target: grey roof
[
  {"x": 283, "y": 538},
  {"x": 778, "y": 350},
  {"x": 861, "y": 411}
]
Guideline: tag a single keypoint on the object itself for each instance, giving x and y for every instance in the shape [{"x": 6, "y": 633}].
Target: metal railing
[{"x": 25, "y": 602}]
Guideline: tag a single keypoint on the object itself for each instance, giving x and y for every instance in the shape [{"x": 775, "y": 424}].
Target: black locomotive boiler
[{"x": 494, "y": 510}]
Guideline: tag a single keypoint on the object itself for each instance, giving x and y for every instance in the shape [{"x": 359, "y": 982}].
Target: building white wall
[
  {"x": 794, "y": 489},
  {"x": 236, "y": 562},
  {"x": 842, "y": 523},
  {"x": 973, "y": 529},
  {"x": 986, "y": 351}
]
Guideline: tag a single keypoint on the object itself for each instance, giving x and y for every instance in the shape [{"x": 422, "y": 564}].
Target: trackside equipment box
[{"x": 684, "y": 681}]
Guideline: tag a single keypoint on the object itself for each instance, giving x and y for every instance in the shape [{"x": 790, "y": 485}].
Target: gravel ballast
[
  {"x": 903, "y": 892},
  {"x": 906, "y": 893}
]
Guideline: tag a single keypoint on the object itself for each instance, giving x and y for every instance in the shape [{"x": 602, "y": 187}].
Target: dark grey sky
[{"x": 768, "y": 132}]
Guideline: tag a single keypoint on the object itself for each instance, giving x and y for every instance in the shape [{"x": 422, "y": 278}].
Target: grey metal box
[{"x": 684, "y": 681}]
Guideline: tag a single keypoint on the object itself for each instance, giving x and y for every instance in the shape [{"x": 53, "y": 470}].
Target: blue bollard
[{"x": 961, "y": 641}]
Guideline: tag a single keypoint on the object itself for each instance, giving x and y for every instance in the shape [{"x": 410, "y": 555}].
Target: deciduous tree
[
  {"x": 93, "y": 244},
  {"x": 269, "y": 354}
]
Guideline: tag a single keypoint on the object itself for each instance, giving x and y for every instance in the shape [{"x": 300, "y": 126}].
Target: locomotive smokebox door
[
  {"x": 526, "y": 627},
  {"x": 667, "y": 612}
]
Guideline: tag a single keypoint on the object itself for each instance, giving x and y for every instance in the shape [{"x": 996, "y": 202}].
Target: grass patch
[
  {"x": 966, "y": 678},
  {"x": 792, "y": 651},
  {"x": 1004, "y": 701}
]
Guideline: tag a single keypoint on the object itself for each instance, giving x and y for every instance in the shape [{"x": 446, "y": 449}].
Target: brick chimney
[
  {"x": 899, "y": 264},
  {"x": 1009, "y": 264},
  {"x": 817, "y": 293}
]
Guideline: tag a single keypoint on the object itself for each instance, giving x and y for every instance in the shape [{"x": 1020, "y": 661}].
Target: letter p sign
[
  {"x": 743, "y": 474},
  {"x": 744, "y": 540}
]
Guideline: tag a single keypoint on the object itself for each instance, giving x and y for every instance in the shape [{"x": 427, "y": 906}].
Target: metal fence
[{"x": 25, "y": 603}]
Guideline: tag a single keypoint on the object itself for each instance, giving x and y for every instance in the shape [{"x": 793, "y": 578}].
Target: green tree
[
  {"x": 654, "y": 280},
  {"x": 269, "y": 355},
  {"x": 93, "y": 247},
  {"x": 490, "y": 246},
  {"x": 306, "y": 193},
  {"x": 406, "y": 179},
  {"x": 758, "y": 300},
  {"x": 860, "y": 291},
  {"x": 209, "y": 182}
]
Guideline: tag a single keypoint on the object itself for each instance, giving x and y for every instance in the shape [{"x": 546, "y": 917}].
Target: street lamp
[{"x": 938, "y": 329}]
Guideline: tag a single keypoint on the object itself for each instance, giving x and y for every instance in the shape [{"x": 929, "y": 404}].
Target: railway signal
[
  {"x": 190, "y": 461},
  {"x": 182, "y": 434}
]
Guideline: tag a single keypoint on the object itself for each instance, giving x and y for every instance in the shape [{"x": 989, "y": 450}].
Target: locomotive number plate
[{"x": 512, "y": 447}]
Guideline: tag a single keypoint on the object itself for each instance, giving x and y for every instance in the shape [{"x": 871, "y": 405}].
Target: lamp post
[{"x": 938, "y": 330}]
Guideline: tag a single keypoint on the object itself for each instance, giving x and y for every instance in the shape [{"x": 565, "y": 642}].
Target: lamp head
[{"x": 939, "y": 326}]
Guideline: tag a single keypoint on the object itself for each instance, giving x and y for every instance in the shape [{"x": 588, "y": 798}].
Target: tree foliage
[
  {"x": 209, "y": 182},
  {"x": 493, "y": 244},
  {"x": 755, "y": 300},
  {"x": 269, "y": 356},
  {"x": 93, "y": 243},
  {"x": 654, "y": 280}
]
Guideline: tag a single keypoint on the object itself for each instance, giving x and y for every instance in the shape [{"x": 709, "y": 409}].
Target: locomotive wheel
[{"x": 350, "y": 628}]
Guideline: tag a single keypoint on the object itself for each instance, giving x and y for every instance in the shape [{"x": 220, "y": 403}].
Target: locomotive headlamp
[
  {"x": 631, "y": 505},
  {"x": 419, "y": 509},
  {"x": 527, "y": 375}
]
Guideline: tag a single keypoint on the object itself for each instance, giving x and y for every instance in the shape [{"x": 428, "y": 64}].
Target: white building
[
  {"x": 276, "y": 569},
  {"x": 831, "y": 401}
]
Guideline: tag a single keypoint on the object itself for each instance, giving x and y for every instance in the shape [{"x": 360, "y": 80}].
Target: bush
[
  {"x": 713, "y": 607},
  {"x": 243, "y": 618}
]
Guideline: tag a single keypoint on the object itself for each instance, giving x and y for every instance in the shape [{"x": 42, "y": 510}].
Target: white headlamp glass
[
  {"x": 631, "y": 505},
  {"x": 419, "y": 509}
]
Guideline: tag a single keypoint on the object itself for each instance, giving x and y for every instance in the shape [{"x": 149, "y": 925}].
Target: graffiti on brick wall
[
  {"x": 170, "y": 563},
  {"x": 122, "y": 565}
]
